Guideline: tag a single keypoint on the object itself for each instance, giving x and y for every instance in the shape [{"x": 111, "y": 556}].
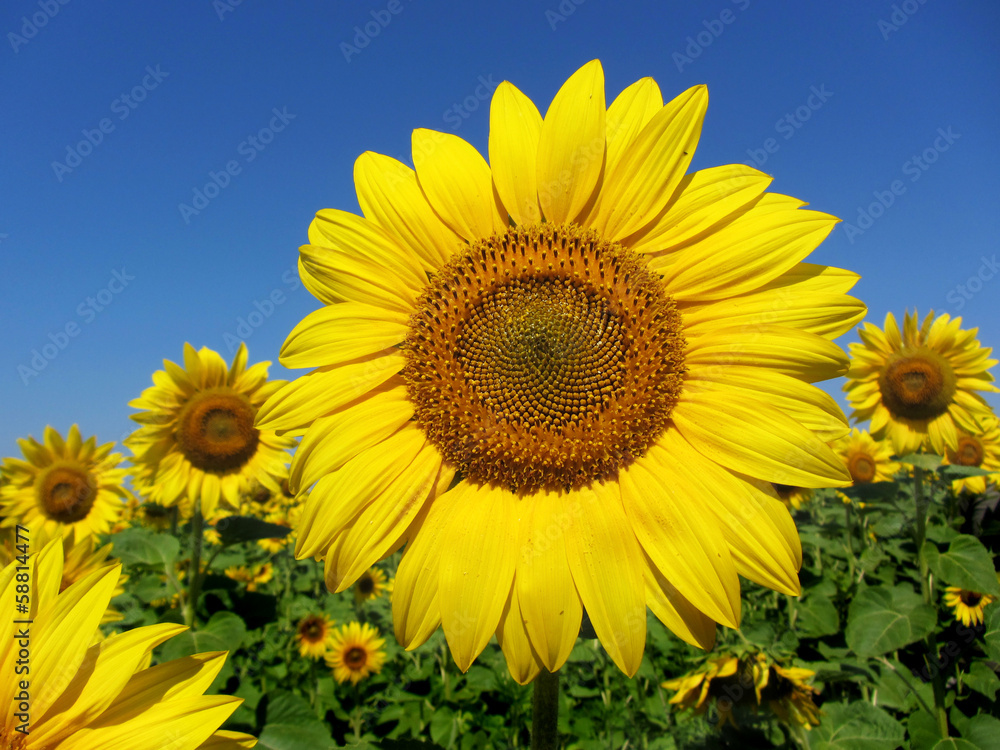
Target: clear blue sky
[{"x": 180, "y": 88}]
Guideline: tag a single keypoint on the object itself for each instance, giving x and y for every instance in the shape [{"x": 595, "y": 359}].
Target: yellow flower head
[
  {"x": 371, "y": 585},
  {"x": 612, "y": 355},
  {"x": 918, "y": 386},
  {"x": 63, "y": 487},
  {"x": 355, "y": 652},
  {"x": 252, "y": 576},
  {"x": 980, "y": 449},
  {"x": 968, "y": 605},
  {"x": 198, "y": 439},
  {"x": 793, "y": 497},
  {"x": 314, "y": 634},
  {"x": 867, "y": 459},
  {"x": 100, "y": 693}
]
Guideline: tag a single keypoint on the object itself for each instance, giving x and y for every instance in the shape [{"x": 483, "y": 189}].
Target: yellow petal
[
  {"x": 515, "y": 127},
  {"x": 745, "y": 254},
  {"x": 336, "y": 276},
  {"x": 342, "y": 332},
  {"x": 653, "y": 165},
  {"x": 572, "y": 145},
  {"x": 606, "y": 563},
  {"x": 457, "y": 183},
  {"x": 547, "y": 598},
  {"x": 688, "y": 622},
  {"x": 477, "y": 570},
  {"x": 322, "y": 391},
  {"x": 628, "y": 114},
  {"x": 522, "y": 662},
  {"x": 670, "y": 517},
  {"x": 748, "y": 436},
  {"x": 389, "y": 194}
]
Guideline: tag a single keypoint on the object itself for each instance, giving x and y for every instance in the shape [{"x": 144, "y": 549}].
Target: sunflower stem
[
  {"x": 921, "y": 503},
  {"x": 545, "y": 711},
  {"x": 194, "y": 573}
]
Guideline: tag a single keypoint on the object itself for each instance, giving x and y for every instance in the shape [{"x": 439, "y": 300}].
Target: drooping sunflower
[
  {"x": 918, "y": 386},
  {"x": 564, "y": 380},
  {"x": 198, "y": 438},
  {"x": 91, "y": 694},
  {"x": 314, "y": 634},
  {"x": 967, "y": 605},
  {"x": 981, "y": 450},
  {"x": 868, "y": 460},
  {"x": 749, "y": 682},
  {"x": 355, "y": 652},
  {"x": 63, "y": 487},
  {"x": 372, "y": 584}
]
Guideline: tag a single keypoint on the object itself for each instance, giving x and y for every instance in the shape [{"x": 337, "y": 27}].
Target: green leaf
[
  {"x": 991, "y": 638},
  {"x": 967, "y": 564},
  {"x": 856, "y": 726},
  {"x": 291, "y": 725},
  {"x": 139, "y": 545},
  {"x": 235, "y": 529},
  {"x": 983, "y": 679},
  {"x": 983, "y": 732},
  {"x": 223, "y": 632},
  {"x": 927, "y": 461},
  {"x": 953, "y": 743},
  {"x": 923, "y": 730},
  {"x": 817, "y": 617},
  {"x": 955, "y": 471},
  {"x": 883, "y": 619}
]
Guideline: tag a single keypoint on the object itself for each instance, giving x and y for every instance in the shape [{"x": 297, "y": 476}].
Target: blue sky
[{"x": 106, "y": 273}]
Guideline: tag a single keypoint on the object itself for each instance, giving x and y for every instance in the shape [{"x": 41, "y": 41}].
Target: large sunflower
[
  {"x": 867, "y": 459},
  {"x": 63, "y": 487},
  {"x": 87, "y": 693},
  {"x": 198, "y": 438},
  {"x": 981, "y": 450},
  {"x": 564, "y": 380},
  {"x": 917, "y": 386}
]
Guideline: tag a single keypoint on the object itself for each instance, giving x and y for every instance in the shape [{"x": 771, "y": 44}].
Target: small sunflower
[
  {"x": 967, "y": 605},
  {"x": 614, "y": 357},
  {"x": 252, "y": 576},
  {"x": 79, "y": 559},
  {"x": 63, "y": 487},
  {"x": 198, "y": 439},
  {"x": 90, "y": 692},
  {"x": 793, "y": 497},
  {"x": 314, "y": 634},
  {"x": 356, "y": 651},
  {"x": 750, "y": 682},
  {"x": 371, "y": 585},
  {"x": 918, "y": 386},
  {"x": 867, "y": 459},
  {"x": 981, "y": 449}
]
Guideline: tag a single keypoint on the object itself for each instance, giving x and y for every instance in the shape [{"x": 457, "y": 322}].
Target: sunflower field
[{"x": 558, "y": 476}]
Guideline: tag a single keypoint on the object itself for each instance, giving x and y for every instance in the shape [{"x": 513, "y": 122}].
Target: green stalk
[
  {"x": 545, "y": 711},
  {"x": 921, "y": 502},
  {"x": 194, "y": 572}
]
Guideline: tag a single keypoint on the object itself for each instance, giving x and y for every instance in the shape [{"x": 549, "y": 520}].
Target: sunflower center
[
  {"x": 784, "y": 491},
  {"x": 970, "y": 451},
  {"x": 215, "y": 431},
  {"x": 917, "y": 386},
  {"x": 366, "y": 584},
  {"x": 355, "y": 657},
  {"x": 312, "y": 630},
  {"x": 544, "y": 357},
  {"x": 862, "y": 468},
  {"x": 971, "y": 598},
  {"x": 67, "y": 493}
]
